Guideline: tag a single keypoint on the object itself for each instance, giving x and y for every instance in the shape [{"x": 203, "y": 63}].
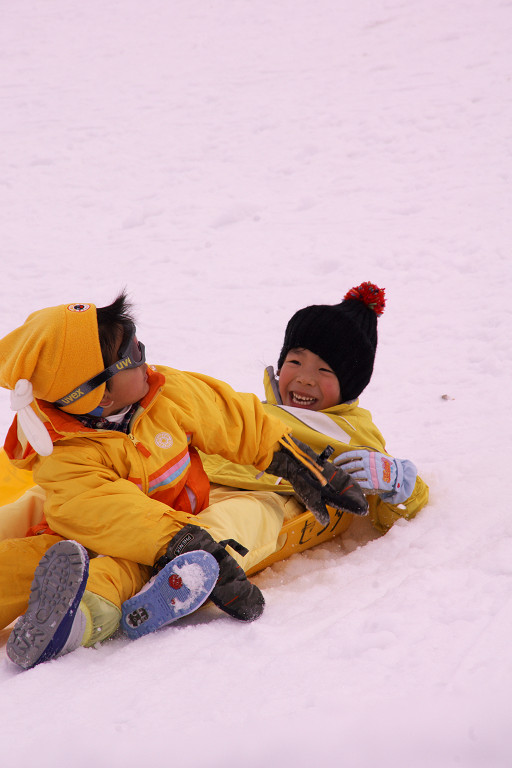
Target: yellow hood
[{"x": 56, "y": 350}]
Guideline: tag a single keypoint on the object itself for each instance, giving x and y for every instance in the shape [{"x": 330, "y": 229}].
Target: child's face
[
  {"x": 125, "y": 388},
  {"x": 306, "y": 381}
]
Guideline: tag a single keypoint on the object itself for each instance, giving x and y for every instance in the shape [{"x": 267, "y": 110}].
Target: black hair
[{"x": 112, "y": 319}]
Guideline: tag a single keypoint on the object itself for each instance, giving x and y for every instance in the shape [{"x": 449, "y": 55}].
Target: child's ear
[{"x": 106, "y": 401}]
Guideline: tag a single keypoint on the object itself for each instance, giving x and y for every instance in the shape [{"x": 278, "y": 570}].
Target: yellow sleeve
[{"x": 222, "y": 421}]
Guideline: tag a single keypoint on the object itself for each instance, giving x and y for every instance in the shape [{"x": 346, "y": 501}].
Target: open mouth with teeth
[{"x": 304, "y": 401}]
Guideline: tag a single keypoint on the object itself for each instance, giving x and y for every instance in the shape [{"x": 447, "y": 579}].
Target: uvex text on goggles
[{"x": 132, "y": 355}]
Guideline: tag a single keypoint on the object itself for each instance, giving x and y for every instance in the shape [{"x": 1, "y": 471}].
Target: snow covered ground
[{"x": 230, "y": 162}]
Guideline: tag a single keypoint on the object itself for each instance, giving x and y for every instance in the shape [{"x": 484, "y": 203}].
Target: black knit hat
[{"x": 344, "y": 335}]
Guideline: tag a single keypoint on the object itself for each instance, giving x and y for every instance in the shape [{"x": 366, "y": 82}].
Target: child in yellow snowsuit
[
  {"x": 325, "y": 362},
  {"x": 114, "y": 444}
]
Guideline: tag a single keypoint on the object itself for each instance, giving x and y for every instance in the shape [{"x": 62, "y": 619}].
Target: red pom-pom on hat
[{"x": 370, "y": 294}]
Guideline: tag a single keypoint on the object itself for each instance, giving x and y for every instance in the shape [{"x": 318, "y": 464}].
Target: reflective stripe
[
  {"x": 318, "y": 421},
  {"x": 170, "y": 474}
]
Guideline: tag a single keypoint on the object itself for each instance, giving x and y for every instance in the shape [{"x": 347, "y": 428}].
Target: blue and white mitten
[{"x": 392, "y": 479}]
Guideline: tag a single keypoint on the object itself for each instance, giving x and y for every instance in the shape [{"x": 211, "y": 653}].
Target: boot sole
[
  {"x": 180, "y": 588},
  {"x": 57, "y": 588}
]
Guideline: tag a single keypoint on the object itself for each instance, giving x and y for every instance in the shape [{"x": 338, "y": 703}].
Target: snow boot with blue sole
[
  {"x": 234, "y": 593},
  {"x": 57, "y": 588},
  {"x": 177, "y": 590}
]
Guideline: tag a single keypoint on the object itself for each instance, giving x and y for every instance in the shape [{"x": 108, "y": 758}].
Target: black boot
[{"x": 233, "y": 592}]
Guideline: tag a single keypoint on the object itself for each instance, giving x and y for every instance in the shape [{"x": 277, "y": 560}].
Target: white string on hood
[{"x": 33, "y": 428}]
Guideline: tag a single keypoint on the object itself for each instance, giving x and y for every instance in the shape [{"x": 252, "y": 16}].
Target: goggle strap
[
  {"x": 87, "y": 386},
  {"x": 100, "y": 378}
]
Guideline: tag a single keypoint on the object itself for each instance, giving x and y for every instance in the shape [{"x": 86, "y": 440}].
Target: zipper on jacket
[
  {"x": 139, "y": 446},
  {"x": 138, "y": 415}
]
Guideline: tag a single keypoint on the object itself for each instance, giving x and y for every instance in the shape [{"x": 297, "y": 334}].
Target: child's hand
[
  {"x": 316, "y": 481},
  {"x": 393, "y": 479}
]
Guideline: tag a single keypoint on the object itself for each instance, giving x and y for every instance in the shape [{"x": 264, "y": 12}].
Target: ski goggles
[{"x": 132, "y": 355}]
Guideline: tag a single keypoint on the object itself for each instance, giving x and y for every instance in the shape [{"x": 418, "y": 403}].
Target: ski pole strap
[
  {"x": 303, "y": 458},
  {"x": 234, "y": 545},
  {"x": 325, "y": 455}
]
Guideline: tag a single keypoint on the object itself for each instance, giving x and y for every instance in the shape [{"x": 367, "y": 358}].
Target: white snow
[
  {"x": 230, "y": 162},
  {"x": 196, "y": 580}
]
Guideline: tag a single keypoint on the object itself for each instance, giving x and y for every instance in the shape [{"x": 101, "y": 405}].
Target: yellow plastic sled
[{"x": 303, "y": 532}]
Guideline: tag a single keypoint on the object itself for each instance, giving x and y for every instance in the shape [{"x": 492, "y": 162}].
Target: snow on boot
[
  {"x": 44, "y": 631},
  {"x": 233, "y": 592},
  {"x": 180, "y": 588}
]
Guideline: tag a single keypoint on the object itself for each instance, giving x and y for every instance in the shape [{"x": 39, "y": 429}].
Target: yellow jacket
[
  {"x": 344, "y": 427},
  {"x": 110, "y": 490}
]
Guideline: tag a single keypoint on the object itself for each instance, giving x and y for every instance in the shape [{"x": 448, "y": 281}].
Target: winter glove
[
  {"x": 393, "y": 479},
  {"x": 315, "y": 480}
]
